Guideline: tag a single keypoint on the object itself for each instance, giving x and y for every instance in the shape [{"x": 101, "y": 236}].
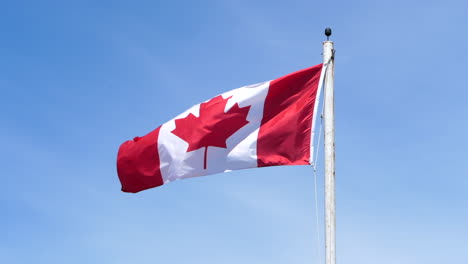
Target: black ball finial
[{"x": 328, "y": 32}]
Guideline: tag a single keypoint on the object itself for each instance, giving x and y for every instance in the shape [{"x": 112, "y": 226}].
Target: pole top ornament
[{"x": 328, "y": 32}]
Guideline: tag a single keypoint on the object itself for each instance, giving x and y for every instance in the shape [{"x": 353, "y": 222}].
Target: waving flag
[{"x": 265, "y": 124}]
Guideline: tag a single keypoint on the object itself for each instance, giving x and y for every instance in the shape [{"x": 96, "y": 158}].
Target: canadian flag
[{"x": 260, "y": 125}]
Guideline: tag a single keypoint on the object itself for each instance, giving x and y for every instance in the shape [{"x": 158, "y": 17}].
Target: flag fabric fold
[{"x": 266, "y": 124}]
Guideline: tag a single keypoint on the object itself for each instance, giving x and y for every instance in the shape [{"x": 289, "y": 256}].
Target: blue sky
[{"x": 80, "y": 77}]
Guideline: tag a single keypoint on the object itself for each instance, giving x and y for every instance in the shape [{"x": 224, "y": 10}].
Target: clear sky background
[{"x": 77, "y": 78}]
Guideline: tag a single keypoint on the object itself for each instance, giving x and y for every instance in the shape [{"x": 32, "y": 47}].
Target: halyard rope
[{"x": 317, "y": 220}]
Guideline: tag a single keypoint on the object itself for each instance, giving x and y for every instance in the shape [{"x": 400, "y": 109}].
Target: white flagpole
[{"x": 329, "y": 123}]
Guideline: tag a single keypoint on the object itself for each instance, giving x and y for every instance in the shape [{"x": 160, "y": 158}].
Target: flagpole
[{"x": 329, "y": 140}]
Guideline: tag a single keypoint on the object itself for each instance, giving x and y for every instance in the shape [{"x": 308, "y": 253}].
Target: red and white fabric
[{"x": 265, "y": 124}]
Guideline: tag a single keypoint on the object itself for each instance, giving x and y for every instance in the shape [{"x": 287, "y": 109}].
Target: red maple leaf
[{"x": 213, "y": 126}]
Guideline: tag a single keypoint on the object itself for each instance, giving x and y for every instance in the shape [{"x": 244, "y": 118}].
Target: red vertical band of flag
[
  {"x": 138, "y": 163},
  {"x": 285, "y": 132}
]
